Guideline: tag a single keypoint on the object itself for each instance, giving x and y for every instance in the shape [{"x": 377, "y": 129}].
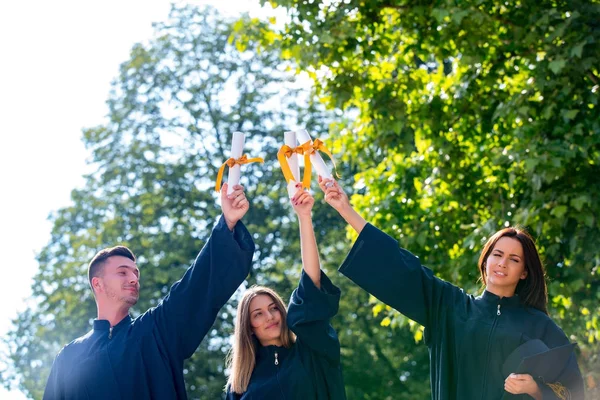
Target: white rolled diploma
[
  {"x": 315, "y": 158},
  {"x": 237, "y": 147},
  {"x": 290, "y": 140}
]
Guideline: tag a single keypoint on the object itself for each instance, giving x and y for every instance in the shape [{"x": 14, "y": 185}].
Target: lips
[
  {"x": 272, "y": 325},
  {"x": 500, "y": 273},
  {"x": 131, "y": 289}
]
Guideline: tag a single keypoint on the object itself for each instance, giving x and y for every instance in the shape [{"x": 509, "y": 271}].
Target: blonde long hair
[{"x": 242, "y": 356}]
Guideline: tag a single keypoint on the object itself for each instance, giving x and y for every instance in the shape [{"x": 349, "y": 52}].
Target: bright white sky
[{"x": 57, "y": 59}]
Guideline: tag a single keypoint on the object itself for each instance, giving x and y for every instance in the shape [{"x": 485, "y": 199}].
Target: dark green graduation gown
[
  {"x": 469, "y": 337},
  {"x": 310, "y": 369}
]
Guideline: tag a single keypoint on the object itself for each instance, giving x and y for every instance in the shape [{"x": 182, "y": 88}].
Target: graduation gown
[
  {"x": 310, "y": 368},
  {"x": 142, "y": 358},
  {"x": 468, "y": 337}
]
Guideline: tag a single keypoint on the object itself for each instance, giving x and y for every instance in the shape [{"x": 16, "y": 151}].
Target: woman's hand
[
  {"x": 302, "y": 202},
  {"x": 334, "y": 194},
  {"x": 522, "y": 384}
]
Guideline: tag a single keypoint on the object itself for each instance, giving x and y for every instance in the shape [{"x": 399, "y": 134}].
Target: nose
[{"x": 133, "y": 280}]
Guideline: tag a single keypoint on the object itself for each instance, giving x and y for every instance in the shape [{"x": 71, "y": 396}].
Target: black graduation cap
[{"x": 536, "y": 359}]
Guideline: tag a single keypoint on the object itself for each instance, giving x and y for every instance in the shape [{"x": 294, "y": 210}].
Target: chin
[{"x": 131, "y": 301}]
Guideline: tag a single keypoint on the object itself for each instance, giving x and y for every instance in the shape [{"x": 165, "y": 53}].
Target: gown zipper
[
  {"x": 110, "y": 332},
  {"x": 277, "y": 375},
  {"x": 487, "y": 354}
]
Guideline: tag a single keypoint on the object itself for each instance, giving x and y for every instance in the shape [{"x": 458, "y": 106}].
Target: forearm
[
  {"x": 310, "y": 253},
  {"x": 354, "y": 219}
]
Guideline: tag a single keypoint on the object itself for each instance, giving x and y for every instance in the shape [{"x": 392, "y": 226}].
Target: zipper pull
[
  {"x": 276, "y": 360},
  {"x": 498, "y": 313},
  {"x": 110, "y": 332}
]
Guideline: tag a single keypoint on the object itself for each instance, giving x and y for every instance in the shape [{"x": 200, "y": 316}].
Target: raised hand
[
  {"x": 336, "y": 198},
  {"x": 334, "y": 194},
  {"x": 302, "y": 202},
  {"x": 234, "y": 206}
]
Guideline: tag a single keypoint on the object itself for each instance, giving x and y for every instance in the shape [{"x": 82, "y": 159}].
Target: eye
[{"x": 514, "y": 260}]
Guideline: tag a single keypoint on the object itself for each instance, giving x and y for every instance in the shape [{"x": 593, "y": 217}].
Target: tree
[
  {"x": 467, "y": 117},
  {"x": 172, "y": 110},
  {"x": 171, "y": 114}
]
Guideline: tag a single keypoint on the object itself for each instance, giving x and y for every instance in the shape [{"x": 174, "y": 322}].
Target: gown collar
[
  {"x": 490, "y": 297},
  {"x": 104, "y": 325}
]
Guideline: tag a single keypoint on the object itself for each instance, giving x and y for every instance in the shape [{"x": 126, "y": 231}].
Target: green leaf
[
  {"x": 557, "y": 65},
  {"x": 559, "y": 211},
  {"x": 577, "y": 51}
]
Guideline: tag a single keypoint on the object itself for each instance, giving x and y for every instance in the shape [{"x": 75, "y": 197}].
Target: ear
[
  {"x": 97, "y": 284},
  {"x": 524, "y": 274}
]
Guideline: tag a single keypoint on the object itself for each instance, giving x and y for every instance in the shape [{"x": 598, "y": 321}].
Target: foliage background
[{"x": 451, "y": 121}]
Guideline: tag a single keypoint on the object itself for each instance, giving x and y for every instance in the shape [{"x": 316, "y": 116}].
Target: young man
[{"x": 142, "y": 358}]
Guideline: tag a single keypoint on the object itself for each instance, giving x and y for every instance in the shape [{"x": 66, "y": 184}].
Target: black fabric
[
  {"x": 142, "y": 358},
  {"x": 469, "y": 337}
]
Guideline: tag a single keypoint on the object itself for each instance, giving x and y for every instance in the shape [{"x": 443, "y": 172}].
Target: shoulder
[
  {"x": 546, "y": 328},
  {"x": 74, "y": 348}
]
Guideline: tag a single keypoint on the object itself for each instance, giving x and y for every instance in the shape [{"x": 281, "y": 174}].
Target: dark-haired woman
[
  {"x": 469, "y": 338},
  {"x": 294, "y": 353}
]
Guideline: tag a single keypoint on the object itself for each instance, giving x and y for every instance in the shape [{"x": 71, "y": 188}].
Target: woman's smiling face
[{"x": 265, "y": 320}]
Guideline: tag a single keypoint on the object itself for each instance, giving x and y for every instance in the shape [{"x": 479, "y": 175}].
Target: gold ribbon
[
  {"x": 306, "y": 149},
  {"x": 231, "y": 163}
]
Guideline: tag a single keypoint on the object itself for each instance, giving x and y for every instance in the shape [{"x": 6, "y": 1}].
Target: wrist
[
  {"x": 305, "y": 218},
  {"x": 345, "y": 210},
  {"x": 230, "y": 224}
]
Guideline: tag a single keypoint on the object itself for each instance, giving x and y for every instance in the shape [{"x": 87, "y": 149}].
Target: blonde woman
[{"x": 293, "y": 353}]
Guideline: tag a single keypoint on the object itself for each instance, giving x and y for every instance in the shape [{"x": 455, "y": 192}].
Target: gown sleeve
[
  {"x": 186, "y": 314},
  {"x": 396, "y": 277},
  {"x": 309, "y": 312}
]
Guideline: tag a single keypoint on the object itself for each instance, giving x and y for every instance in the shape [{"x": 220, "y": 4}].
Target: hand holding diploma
[
  {"x": 336, "y": 198},
  {"x": 234, "y": 205}
]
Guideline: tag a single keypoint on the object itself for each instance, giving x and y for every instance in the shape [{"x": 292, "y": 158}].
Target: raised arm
[
  {"x": 336, "y": 198},
  {"x": 186, "y": 314},
  {"x": 392, "y": 274},
  {"x": 303, "y": 203}
]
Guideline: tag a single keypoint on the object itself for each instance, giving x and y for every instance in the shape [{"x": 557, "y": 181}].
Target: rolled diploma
[
  {"x": 237, "y": 147},
  {"x": 315, "y": 158},
  {"x": 290, "y": 140}
]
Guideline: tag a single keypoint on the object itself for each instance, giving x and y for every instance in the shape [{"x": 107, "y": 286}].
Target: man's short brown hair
[{"x": 96, "y": 267}]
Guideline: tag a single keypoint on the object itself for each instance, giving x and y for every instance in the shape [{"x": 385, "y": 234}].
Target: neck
[
  {"x": 112, "y": 315},
  {"x": 501, "y": 291},
  {"x": 272, "y": 342}
]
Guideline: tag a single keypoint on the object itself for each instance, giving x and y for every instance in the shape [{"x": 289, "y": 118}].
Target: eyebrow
[
  {"x": 515, "y": 255},
  {"x": 258, "y": 309},
  {"x": 135, "y": 270}
]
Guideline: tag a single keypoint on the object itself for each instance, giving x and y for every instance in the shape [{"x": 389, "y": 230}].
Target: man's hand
[
  {"x": 522, "y": 384},
  {"x": 302, "y": 202},
  {"x": 334, "y": 194},
  {"x": 234, "y": 206}
]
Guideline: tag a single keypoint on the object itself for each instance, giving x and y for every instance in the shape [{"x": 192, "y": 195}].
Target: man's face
[{"x": 120, "y": 281}]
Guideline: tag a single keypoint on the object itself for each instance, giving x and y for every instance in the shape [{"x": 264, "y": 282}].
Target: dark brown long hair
[{"x": 532, "y": 290}]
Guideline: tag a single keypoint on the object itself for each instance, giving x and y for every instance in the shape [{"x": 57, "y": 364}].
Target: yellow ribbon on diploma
[
  {"x": 230, "y": 163},
  {"x": 306, "y": 149}
]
